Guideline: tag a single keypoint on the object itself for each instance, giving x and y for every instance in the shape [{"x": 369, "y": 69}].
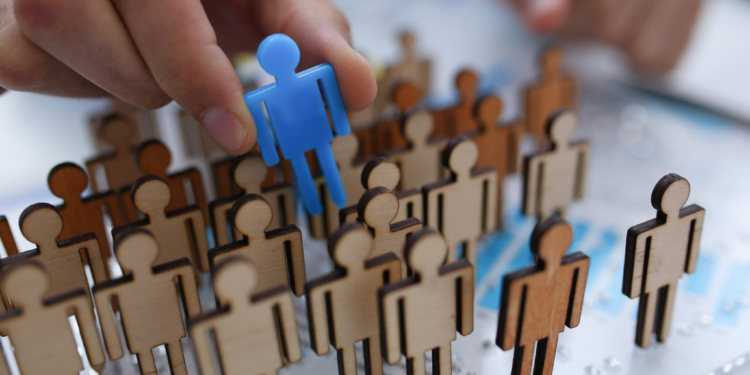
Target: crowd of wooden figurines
[{"x": 423, "y": 187}]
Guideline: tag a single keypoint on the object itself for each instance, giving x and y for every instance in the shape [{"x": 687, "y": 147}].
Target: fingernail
[{"x": 225, "y": 128}]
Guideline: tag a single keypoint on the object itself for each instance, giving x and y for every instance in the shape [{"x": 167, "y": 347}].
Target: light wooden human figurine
[
  {"x": 462, "y": 207},
  {"x": 538, "y": 301},
  {"x": 459, "y": 119},
  {"x": 499, "y": 146},
  {"x": 38, "y": 327},
  {"x": 555, "y": 91},
  {"x": 420, "y": 162},
  {"x": 437, "y": 301},
  {"x": 147, "y": 297},
  {"x": 381, "y": 171},
  {"x": 180, "y": 233},
  {"x": 119, "y": 164},
  {"x": 255, "y": 330},
  {"x": 83, "y": 215},
  {"x": 249, "y": 173},
  {"x": 153, "y": 159},
  {"x": 41, "y": 224},
  {"x": 144, "y": 123},
  {"x": 277, "y": 253},
  {"x": 344, "y": 303},
  {"x": 657, "y": 252},
  {"x": 555, "y": 178}
]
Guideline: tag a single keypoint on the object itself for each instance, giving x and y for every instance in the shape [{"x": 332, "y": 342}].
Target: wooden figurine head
[
  {"x": 234, "y": 280},
  {"x": 460, "y": 155},
  {"x": 118, "y": 131},
  {"x": 153, "y": 157},
  {"x": 550, "y": 240},
  {"x": 378, "y": 207},
  {"x": 418, "y": 127},
  {"x": 669, "y": 195},
  {"x": 551, "y": 61},
  {"x": 67, "y": 181},
  {"x": 344, "y": 149},
  {"x": 561, "y": 127},
  {"x": 151, "y": 195},
  {"x": 25, "y": 284},
  {"x": 350, "y": 246},
  {"x": 136, "y": 251},
  {"x": 251, "y": 215},
  {"x": 488, "y": 110},
  {"x": 41, "y": 224},
  {"x": 381, "y": 171},
  {"x": 405, "y": 96},
  {"x": 425, "y": 252},
  {"x": 466, "y": 83},
  {"x": 250, "y": 172}
]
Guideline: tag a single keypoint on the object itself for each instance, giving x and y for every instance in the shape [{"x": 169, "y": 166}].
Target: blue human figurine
[{"x": 297, "y": 115}]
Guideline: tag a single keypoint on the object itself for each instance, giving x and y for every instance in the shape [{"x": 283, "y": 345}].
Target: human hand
[
  {"x": 148, "y": 53},
  {"x": 653, "y": 33}
]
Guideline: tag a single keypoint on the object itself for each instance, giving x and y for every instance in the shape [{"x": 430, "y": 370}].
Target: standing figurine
[
  {"x": 297, "y": 114},
  {"x": 420, "y": 161},
  {"x": 147, "y": 299},
  {"x": 657, "y": 252},
  {"x": 255, "y": 330},
  {"x": 554, "y": 178},
  {"x": 119, "y": 164},
  {"x": 424, "y": 312},
  {"x": 344, "y": 303},
  {"x": 538, "y": 301},
  {"x": 39, "y": 329}
]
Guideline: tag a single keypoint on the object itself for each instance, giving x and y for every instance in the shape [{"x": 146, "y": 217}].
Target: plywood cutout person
[
  {"x": 153, "y": 159},
  {"x": 459, "y": 119},
  {"x": 180, "y": 233},
  {"x": 255, "y": 331},
  {"x": 420, "y": 161},
  {"x": 249, "y": 173},
  {"x": 147, "y": 297},
  {"x": 499, "y": 146},
  {"x": 38, "y": 327},
  {"x": 277, "y": 253},
  {"x": 83, "y": 215},
  {"x": 144, "y": 124},
  {"x": 424, "y": 312},
  {"x": 342, "y": 306},
  {"x": 119, "y": 164},
  {"x": 222, "y": 171},
  {"x": 554, "y": 91},
  {"x": 381, "y": 171},
  {"x": 387, "y": 134},
  {"x": 538, "y": 301},
  {"x": 555, "y": 178},
  {"x": 657, "y": 252},
  {"x": 462, "y": 207}
]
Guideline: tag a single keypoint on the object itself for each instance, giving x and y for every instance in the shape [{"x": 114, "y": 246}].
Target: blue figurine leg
[
  {"x": 331, "y": 173},
  {"x": 306, "y": 185}
]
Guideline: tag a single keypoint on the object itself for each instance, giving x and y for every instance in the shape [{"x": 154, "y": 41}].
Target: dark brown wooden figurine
[
  {"x": 344, "y": 303},
  {"x": 254, "y": 332},
  {"x": 424, "y": 311},
  {"x": 387, "y": 135},
  {"x": 459, "y": 119},
  {"x": 147, "y": 299},
  {"x": 120, "y": 166},
  {"x": 657, "y": 252},
  {"x": 537, "y": 302}
]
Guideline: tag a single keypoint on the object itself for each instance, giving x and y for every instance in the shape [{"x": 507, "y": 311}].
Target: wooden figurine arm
[
  {"x": 697, "y": 213},
  {"x": 490, "y": 215},
  {"x": 6, "y": 236},
  {"x": 103, "y": 299},
  {"x": 510, "y": 309},
  {"x": 432, "y": 208},
  {"x": 115, "y": 211},
  {"x": 288, "y": 327},
  {"x": 91, "y": 171},
  {"x": 579, "y": 268},
  {"x": 189, "y": 289},
  {"x": 635, "y": 252},
  {"x": 295, "y": 258},
  {"x": 203, "y": 347},
  {"x": 515, "y": 137},
  {"x": 98, "y": 266},
  {"x": 464, "y": 273},
  {"x": 196, "y": 181},
  {"x": 392, "y": 265},
  {"x": 317, "y": 316},
  {"x": 532, "y": 112},
  {"x": 218, "y": 210},
  {"x": 584, "y": 150},
  {"x": 530, "y": 185},
  {"x": 391, "y": 324},
  {"x": 84, "y": 312},
  {"x": 201, "y": 241}
]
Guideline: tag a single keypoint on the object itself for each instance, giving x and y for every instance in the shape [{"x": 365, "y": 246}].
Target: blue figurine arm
[
  {"x": 330, "y": 85},
  {"x": 253, "y": 100}
]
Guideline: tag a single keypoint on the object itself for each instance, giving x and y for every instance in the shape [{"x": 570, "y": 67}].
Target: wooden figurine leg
[
  {"x": 347, "y": 361},
  {"x": 523, "y": 357},
  {"x": 373, "y": 358},
  {"x": 646, "y": 316},
  {"x": 415, "y": 365},
  {"x": 666, "y": 304},
  {"x": 176, "y": 358},
  {"x": 146, "y": 363},
  {"x": 441, "y": 360},
  {"x": 545, "y": 356}
]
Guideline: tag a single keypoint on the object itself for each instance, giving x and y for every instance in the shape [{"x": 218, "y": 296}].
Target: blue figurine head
[{"x": 278, "y": 55}]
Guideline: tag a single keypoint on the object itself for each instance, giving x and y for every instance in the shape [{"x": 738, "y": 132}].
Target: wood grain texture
[
  {"x": 553, "y": 179},
  {"x": 462, "y": 207},
  {"x": 180, "y": 233},
  {"x": 6, "y": 237},
  {"x": 38, "y": 327},
  {"x": 278, "y": 253},
  {"x": 424, "y": 311},
  {"x": 249, "y": 173},
  {"x": 119, "y": 164},
  {"x": 254, "y": 332},
  {"x": 342, "y": 306},
  {"x": 459, "y": 119},
  {"x": 554, "y": 91},
  {"x": 538, "y": 301},
  {"x": 658, "y": 252},
  {"x": 83, "y": 215},
  {"x": 420, "y": 161},
  {"x": 148, "y": 299}
]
